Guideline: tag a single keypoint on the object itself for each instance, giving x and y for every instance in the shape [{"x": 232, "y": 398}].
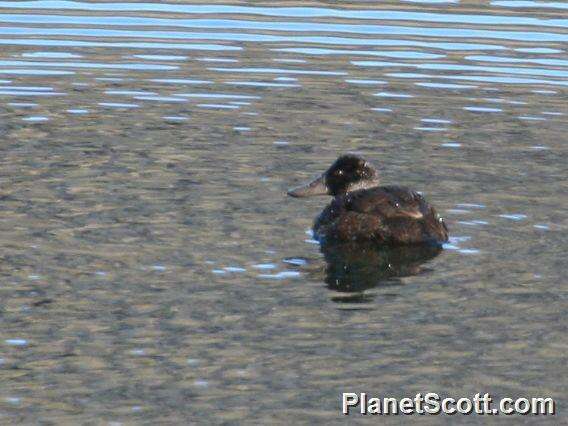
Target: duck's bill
[{"x": 315, "y": 187}]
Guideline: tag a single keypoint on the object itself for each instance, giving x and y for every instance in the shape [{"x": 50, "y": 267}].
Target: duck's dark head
[{"x": 348, "y": 173}]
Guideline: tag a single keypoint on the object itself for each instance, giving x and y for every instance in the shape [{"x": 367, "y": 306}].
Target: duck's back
[{"x": 386, "y": 214}]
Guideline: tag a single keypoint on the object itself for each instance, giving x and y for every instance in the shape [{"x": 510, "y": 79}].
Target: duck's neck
[{"x": 363, "y": 184}]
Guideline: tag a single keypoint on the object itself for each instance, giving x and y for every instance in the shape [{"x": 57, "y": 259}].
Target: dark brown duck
[{"x": 366, "y": 211}]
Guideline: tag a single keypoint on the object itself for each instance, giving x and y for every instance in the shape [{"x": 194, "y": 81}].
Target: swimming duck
[{"x": 363, "y": 210}]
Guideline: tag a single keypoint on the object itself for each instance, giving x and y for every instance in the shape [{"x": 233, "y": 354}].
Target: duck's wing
[
  {"x": 386, "y": 214},
  {"x": 388, "y": 202}
]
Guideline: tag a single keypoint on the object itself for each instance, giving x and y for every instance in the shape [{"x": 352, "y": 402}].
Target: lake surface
[{"x": 153, "y": 269}]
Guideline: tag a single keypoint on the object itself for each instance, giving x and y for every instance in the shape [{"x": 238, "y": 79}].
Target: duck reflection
[{"x": 355, "y": 267}]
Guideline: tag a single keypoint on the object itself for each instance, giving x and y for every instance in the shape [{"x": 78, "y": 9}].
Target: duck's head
[{"x": 348, "y": 173}]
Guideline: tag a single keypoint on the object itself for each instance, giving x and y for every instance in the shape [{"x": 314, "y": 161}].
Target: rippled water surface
[{"x": 153, "y": 269}]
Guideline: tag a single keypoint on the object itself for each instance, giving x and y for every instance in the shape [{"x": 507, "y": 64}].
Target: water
[{"x": 153, "y": 268}]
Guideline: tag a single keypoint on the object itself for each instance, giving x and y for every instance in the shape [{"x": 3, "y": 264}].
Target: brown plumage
[{"x": 362, "y": 210}]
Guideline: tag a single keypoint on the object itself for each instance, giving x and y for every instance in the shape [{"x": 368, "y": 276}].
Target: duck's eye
[{"x": 339, "y": 173}]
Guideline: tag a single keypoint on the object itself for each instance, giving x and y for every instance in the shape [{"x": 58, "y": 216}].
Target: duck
[{"x": 364, "y": 210}]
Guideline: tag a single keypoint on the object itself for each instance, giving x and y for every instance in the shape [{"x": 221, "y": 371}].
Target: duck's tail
[{"x": 436, "y": 227}]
